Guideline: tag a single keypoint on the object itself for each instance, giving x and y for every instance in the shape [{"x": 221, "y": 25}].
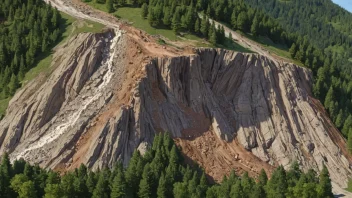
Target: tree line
[
  {"x": 27, "y": 28},
  {"x": 160, "y": 172}
]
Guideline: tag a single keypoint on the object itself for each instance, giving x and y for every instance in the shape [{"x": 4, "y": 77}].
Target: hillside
[{"x": 111, "y": 93}]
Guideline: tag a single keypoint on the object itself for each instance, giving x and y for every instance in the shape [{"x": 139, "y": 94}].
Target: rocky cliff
[{"x": 110, "y": 93}]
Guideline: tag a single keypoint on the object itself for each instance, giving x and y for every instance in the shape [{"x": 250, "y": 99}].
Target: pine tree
[
  {"x": 324, "y": 188},
  {"x": 132, "y": 173},
  {"x": 225, "y": 188},
  {"x": 237, "y": 190},
  {"x": 22, "y": 71},
  {"x": 247, "y": 183},
  {"x": 263, "y": 178},
  {"x": 349, "y": 141},
  {"x": 258, "y": 191},
  {"x": 5, "y": 176},
  {"x": 53, "y": 178},
  {"x": 91, "y": 182},
  {"x": 190, "y": 18},
  {"x": 145, "y": 189},
  {"x": 144, "y": 10},
  {"x": 213, "y": 38},
  {"x": 180, "y": 190},
  {"x": 121, "y": 2},
  {"x": 14, "y": 84},
  {"x": 167, "y": 16},
  {"x": 197, "y": 26},
  {"x": 234, "y": 19},
  {"x": 209, "y": 13},
  {"x": 339, "y": 119},
  {"x": 53, "y": 191},
  {"x": 162, "y": 191},
  {"x": 293, "y": 50},
  {"x": 80, "y": 186},
  {"x": 27, "y": 190},
  {"x": 192, "y": 185},
  {"x": 102, "y": 188},
  {"x": 110, "y": 6},
  {"x": 255, "y": 26},
  {"x": 6, "y": 165},
  {"x": 18, "y": 166},
  {"x": 134, "y": 2},
  {"x": 152, "y": 17},
  {"x": 222, "y": 35},
  {"x": 204, "y": 28},
  {"x": 119, "y": 187},
  {"x": 329, "y": 98},
  {"x": 242, "y": 21},
  {"x": 347, "y": 125},
  {"x": 277, "y": 185},
  {"x": 67, "y": 185},
  {"x": 17, "y": 181},
  {"x": 294, "y": 173},
  {"x": 176, "y": 21},
  {"x": 203, "y": 185}
]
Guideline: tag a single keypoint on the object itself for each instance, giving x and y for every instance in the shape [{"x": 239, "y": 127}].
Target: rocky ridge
[{"x": 104, "y": 99}]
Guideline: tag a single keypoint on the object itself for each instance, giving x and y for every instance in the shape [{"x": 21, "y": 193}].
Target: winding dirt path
[{"x": 83, "y": 11}]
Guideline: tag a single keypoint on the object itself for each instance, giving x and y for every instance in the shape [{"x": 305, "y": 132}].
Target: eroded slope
[{"x": 110, "y": 93}]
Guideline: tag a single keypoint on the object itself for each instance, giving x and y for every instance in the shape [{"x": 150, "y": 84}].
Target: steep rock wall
[
  {"x": 266, "y": 106},
  {"x": 254, "y": 111}
]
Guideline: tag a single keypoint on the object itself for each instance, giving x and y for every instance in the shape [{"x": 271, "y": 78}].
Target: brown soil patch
[
  {"x": 141, "y": 49},
  {"x": 150, "y": 46},
  {"x": 219, "y": 158},
  {"x": 135, "y": 61}
]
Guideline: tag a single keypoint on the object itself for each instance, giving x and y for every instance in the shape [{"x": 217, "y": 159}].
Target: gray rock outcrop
[{"x": 71, "y": 118}]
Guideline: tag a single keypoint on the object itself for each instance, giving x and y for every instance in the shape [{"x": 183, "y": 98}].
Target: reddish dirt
[
  {"x": 219, "y": 158},
  {"x": 141, "y": 49}
]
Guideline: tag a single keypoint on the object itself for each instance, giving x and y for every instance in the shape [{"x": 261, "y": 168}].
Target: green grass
[
  {"x": 43, "y": 61},
  {"x": 98, "y": 6},
  {"x": 133, "y": 16},
  {"x": 278, "y": 49},
  {"x": 231, "y": 45}
]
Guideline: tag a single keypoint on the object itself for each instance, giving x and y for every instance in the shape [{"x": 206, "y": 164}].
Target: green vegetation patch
[
  {"x": 69, "y": 26},
  {"x": 279, "y": 49},
  {"x": 133, "y": 15}
]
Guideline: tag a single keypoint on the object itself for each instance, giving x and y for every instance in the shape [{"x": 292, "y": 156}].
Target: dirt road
[{"x": 82, "y": 11}]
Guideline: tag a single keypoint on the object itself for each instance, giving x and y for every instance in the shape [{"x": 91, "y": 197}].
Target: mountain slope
[
  {"x": 110, "y": 93},
  {"x": 264, "y": 106}
]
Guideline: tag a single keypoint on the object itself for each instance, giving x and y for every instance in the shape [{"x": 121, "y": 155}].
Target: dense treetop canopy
[
  {"x": 161, "y": 173},
  {"x": 27, "y": 28}
]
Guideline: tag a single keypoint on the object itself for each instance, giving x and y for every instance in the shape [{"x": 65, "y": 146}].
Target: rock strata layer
[{"x": 76, "y": 115}]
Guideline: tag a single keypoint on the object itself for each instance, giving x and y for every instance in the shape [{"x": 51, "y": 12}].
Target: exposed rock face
[
  {"x": 90, "y": 111},
  {"x": 266, "y": 106},
  {"x": 43, "y": 118}
]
